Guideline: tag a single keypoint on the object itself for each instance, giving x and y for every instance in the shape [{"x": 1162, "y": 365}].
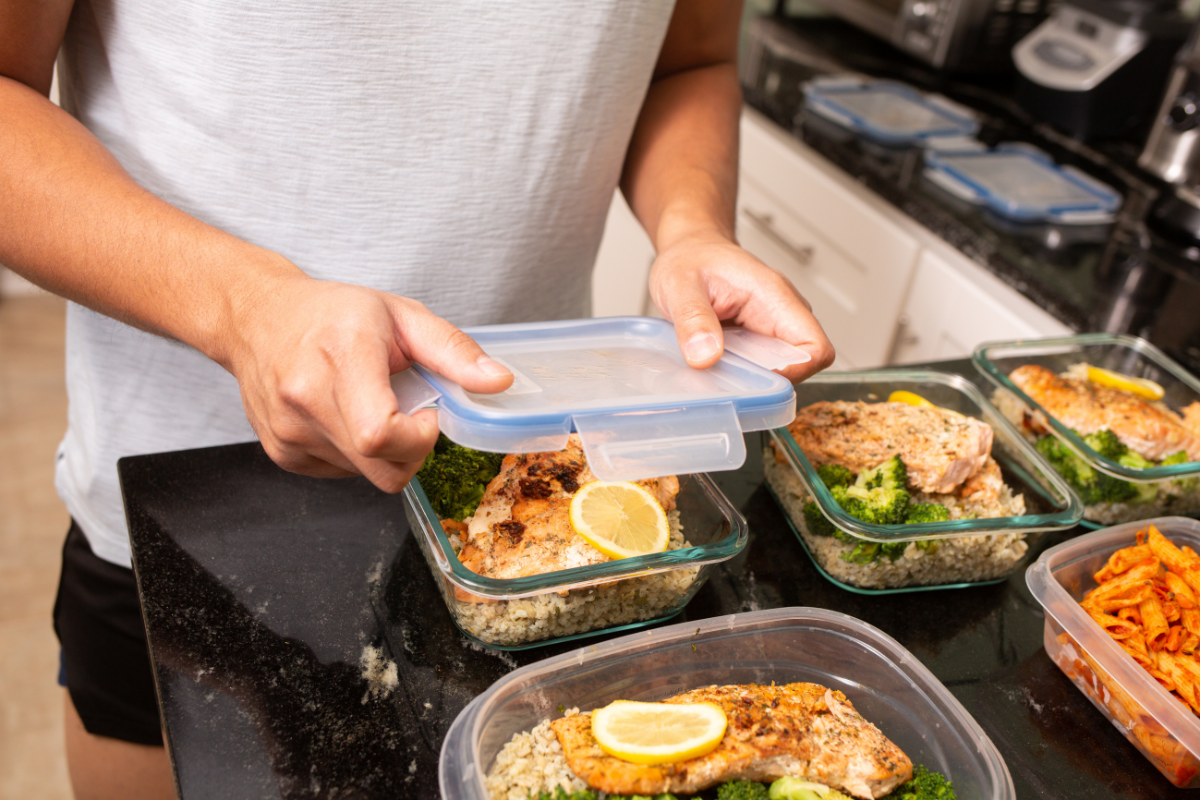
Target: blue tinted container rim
[
  {"x": 578, "y": 577},
  {"x": 1066, "y": 517},
  {"x": 466, "y": 728},
  {"x": 1106, "y": 200},
  {"x": 981, "y": 358},
  {"x": 824, "y": 99}
]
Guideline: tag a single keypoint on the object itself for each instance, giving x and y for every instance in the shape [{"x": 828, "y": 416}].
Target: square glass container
[
  {"x": 1165, "y": 730},
  {"x": 1128, "y": 355},
  {"x": 885, "y": 682},
  {"x": 1050, "y": 503},
  {"x": 622, "y": 594}
]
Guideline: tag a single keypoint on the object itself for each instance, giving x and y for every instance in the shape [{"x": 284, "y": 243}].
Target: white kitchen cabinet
[
  {"x": 953, "y": 305},
  {"x": 844, "y": 248},
  {"x": 619, "y": 282}
]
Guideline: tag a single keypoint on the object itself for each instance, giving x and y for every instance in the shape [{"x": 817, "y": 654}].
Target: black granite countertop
[
  {"x": 1118, "y": 278},
  {"x": 302, "y": 650}
]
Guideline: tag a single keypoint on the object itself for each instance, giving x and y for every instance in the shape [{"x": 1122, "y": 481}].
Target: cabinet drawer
[
  {"x": 856, "y": 302},
  {"x": 948, "y": 313},
  {"x": 829, "y": 201}
]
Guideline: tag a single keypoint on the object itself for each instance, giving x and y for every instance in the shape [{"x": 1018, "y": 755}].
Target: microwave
[{"x": 953, "y": 35}]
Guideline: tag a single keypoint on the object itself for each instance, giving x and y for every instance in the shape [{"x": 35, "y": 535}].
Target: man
[{"x": 261, "y": 210}]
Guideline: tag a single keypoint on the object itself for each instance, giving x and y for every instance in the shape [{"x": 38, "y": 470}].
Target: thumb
[
  {"x": 696, "y": 327},
  {"x": 435, "y": 344}
]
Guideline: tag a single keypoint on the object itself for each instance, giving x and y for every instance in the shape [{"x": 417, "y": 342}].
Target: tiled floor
[{"x": 33, "y": 412}]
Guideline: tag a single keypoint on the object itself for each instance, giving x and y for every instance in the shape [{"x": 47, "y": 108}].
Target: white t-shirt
[{"x": 460, "y": 153}]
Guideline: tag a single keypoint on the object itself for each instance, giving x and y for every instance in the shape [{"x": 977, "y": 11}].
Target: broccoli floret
[
  {"x": 796, "y": 789},
  {"x": 1146, "y": 492},
  {"x": 925, "y": 785},
  {"x": 454, "y": 478},
  {"x": 835, "y": 475},
  {"x": 863, "y": 553},
  {"x": 927, "y": 512},
  {"x": 893, "y": 550},
  {"x": 1106, "y": 443},
  {"x": 742, "y": 790},
  {"x": 1175, "y": 458},
  {"x": 881, "y": 492},
  {"x": 1181, "y": 457},
  {"x": 815, "y": 521},
  {"x": 891, "y": 474},
  {"x": 1093, "y": 486}
]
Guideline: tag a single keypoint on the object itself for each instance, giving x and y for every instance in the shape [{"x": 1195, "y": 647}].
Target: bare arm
[
  {"x": 312, "y": 358},
  {"x": 680, "y": 179}
]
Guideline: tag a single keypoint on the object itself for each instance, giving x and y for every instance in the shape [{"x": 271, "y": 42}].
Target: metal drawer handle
[{"x": 766, "y": 226}]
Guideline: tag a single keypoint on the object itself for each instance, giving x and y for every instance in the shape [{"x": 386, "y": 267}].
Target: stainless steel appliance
[
  {"x": 1095, "y": 67},
  {"x": 955, "y": 35},
  {"x": 1172, "y": 151}
]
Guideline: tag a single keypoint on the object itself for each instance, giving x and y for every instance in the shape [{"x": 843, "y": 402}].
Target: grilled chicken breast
[
  {"x": 801, "y": 730},
  {"x": 941, "y": 448},
  {"x": 1149, "y": 429},
  {"x": 523, "y": 527}
]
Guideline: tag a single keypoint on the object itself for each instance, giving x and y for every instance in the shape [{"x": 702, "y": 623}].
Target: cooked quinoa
[
  {"x": 1174, "y": 498},
  {"x": 966, "y": 559},
  {"x": 533, "y": 762},
  {"x": 554, "y": 614}
]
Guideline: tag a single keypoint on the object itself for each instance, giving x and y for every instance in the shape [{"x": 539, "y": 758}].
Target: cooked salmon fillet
[
  {"x": 523, "y": 527},
  {"x": 801, "y": 730},
  {"x": 941, "y": 448},
  {"x": 1151, "y": 430}
]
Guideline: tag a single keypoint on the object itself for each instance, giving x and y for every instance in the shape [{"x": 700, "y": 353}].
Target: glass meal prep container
[
  {"x": 885, "y": 682},
  {"x": 1165, "y": 730},
  {"x": 1128, "y": 355},
  {"x": 950, "y": 554},
  {"x": 622, "y": 594}
]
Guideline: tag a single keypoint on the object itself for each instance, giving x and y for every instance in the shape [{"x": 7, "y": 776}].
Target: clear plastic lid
[
  {"x": 888, "y": 111},
  {"x": 883, "y": 680},
  {"x": 1127, "y": 355},
  {"x": 622, "y": 384},
  {"x": 1050, "y": 502},
  {"x": 1022, "y": 183}
]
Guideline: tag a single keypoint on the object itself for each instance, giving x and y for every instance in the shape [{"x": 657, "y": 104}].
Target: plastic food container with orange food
[{"x": 1154, "y": 721}]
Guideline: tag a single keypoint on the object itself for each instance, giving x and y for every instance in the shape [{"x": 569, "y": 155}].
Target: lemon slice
[
  {"x": 658, "y": 733},
  {"x": 620, "y": 519},
  {"x": 902, "y": 396},
  {"x": 1142, "y": 387}
]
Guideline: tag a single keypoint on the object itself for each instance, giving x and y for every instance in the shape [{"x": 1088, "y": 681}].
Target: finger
[
  {"x": 373, "y": 425},
  {"x": 781, "y": 311},
  {"x": 697, "y": 327},
  {"x": 438, "y": 345},
  {"x": 392, "y": 476}
]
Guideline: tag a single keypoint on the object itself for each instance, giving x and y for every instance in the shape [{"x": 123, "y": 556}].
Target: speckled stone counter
[{"x": 302, "y": 650}]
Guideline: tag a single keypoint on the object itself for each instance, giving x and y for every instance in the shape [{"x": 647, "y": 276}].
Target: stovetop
[{"x": 1116, "y": 278}]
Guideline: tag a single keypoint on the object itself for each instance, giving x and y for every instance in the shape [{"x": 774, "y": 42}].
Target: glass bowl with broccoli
[
  {"x": 902, "y": 480},
  {"x": 1114, "y": 415},
  {"x": 565, "y": 604}
]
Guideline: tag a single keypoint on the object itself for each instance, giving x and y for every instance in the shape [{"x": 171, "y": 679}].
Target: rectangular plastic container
[
  {"x": 623, "y": 594},
  {"x": 1128, "y": 355},
  {"x": 886, "y": 684},
  {"x": 961, "y": 555},
  {"x": 1165, "y": 730}
]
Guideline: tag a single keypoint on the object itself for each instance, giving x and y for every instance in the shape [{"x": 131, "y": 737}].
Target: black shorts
[{"x": 105, "y": 661}]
